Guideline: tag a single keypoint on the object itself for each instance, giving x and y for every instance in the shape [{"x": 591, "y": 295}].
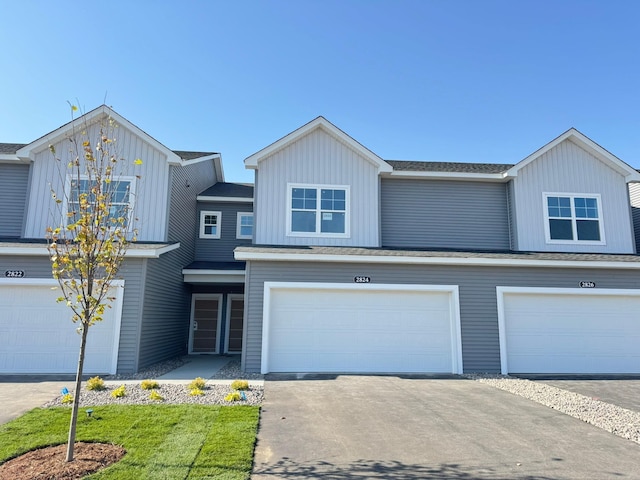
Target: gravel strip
[
  {"x": 617, "y": 420},
  {"x": 172, "y": 394}
]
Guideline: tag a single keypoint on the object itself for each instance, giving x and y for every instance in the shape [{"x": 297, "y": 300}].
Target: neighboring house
[
  {"x": 150, "y": 317},
  {"x": 364, "y": 265}
]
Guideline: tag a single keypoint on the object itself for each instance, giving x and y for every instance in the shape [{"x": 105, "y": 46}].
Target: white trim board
[{"x": 456, "y": 332}]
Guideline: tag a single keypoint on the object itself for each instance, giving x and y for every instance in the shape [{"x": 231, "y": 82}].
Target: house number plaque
[
  {"x": 14, "y": 273},
  {"x": 361, "y": 279},
  {"x": 587, "y": 284}
]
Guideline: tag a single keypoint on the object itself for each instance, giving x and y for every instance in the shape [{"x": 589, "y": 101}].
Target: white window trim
[
  {"x": 572, "y": 196},
  {"x": 239, "y": 225},
  {"x": 121, "y": 178},
  {"x": 318, "y": 233},
  {"x": 219, "y": 224}
]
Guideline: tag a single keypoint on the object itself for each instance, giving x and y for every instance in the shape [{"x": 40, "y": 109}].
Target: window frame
[
  {"x": 120, "y": 178},
  {"x": 218, "y": 215},
  {"x": 239, "y": 217},
  {"x": 573, "y": 218},
  {"x": 318, "y": 233}
]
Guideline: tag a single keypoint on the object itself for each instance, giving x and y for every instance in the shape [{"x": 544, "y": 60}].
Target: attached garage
[
  {"x": 38, "y": 337},
  {"x": 572, "y": 331},
  {"x": 360, "y": 328}
]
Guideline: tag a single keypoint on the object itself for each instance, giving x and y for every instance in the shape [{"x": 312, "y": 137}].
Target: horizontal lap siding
[
  {"x": 444, "y": 214},
  {"x": 132, "y": 272},
  {"x": 165, "y": 320},
  {"x": 477, "y": 290},
  {"x": 221, "y": 249},
  {"x": 14, "y": 181}
]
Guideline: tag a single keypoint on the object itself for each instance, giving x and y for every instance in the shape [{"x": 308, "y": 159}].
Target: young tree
[{"x": 93, "y": 227}]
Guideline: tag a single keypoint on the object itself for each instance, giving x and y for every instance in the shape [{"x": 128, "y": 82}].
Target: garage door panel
[
  {"x": 368, "y": 331},
  {"x": 37, "y": 335},
  {"x": 571, "y": 332}
]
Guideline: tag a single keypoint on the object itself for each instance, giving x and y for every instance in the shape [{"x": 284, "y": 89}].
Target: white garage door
[
  {"x": 38, "y": 337},
  {"x": 593, "y": 331},
  {"x": 361, "y": 328}
]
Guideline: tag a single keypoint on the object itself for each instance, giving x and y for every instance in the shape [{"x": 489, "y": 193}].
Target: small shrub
[
  {"x": 199, "y": 383},
  {"x": 232, "y": 397},
  {"x": 119, "y": 392},
  {"x": 195, "y": 392},
  {"x": 67, "y": 398},
  {"x": 154, "y": 395},
  {"x": 95, "y": 383},
  {"x": 149, "y": 385},
  {"x": 240, "y": 385}
]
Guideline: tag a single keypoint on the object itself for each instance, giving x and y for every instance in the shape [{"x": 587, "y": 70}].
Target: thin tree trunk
[{"x": 76, "y": 395}]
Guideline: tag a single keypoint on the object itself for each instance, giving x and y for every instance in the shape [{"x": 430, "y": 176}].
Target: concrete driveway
[
  {"x": 388, "y": 427},
  {"x": 19, "y": 394}
]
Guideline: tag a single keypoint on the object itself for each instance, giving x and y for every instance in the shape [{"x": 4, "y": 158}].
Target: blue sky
[{"x": 455, "y": 80}]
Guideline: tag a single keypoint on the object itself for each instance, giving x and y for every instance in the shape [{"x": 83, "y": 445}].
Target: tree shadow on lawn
[{"x": 393, "y": 470}]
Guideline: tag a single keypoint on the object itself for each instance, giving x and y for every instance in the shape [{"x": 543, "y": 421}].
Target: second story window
[
  {"x": 210, "y": 223},
  {"x": 573, "y": 218},
  {"x": 119, "y": 193},
  {"x": 318, "y": 210},
  {"x": 244, "y": 227}
]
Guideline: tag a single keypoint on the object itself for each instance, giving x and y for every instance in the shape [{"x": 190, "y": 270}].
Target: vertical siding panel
[
  {"x": 317, "y": 158},
  {"x": 568, "y": 168},
  {"x": 14, "y": 181},
  {"x": 634, "y": 197}
]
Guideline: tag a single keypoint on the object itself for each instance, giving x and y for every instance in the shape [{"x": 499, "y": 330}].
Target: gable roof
[
  {"x": 320, "y": 123},
  {"x": 584, "y": 142},
  {"x": 96, "y": 114}
]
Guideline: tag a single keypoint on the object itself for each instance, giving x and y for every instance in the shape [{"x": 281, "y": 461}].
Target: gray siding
[
  {"x": 513, "y": 220},
  {"x": 221, "y": 249},
  {"x": 477, "y": 289},
  {"x": 14, "y": 181},
  {"x": 567, "y": 168},
  {"x": 444, "y": 214},
  {"x": 132, "y": 272},
  {"x": 317, "y": 159},
  {"x": 634, "y": 196},
  {"x": 165, "y": 318}
]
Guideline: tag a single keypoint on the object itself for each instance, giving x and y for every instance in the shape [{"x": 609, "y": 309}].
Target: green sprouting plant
[
  {"x": 67, "y": 398},
  {"x": 195, "y": 392},
  {"x": 232, "y": 397},
  {"x": 240, "y": 385},
  {"x": 119, "y": 392},
  {"x": 95, "y": 383},
  {"x": 154, "y": 395},
  {"x": 198, "y": 383},
  {"x": 149, "y": 385}
]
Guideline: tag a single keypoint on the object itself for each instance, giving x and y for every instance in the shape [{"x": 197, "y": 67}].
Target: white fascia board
[
  {"x": 495, "y": 177},
  {"x": 204, "y": 198},
  {"x": 392, "y": 259},
  {"x": 193, "y": 161},
  {"x": 213, "y": 276},
  {"x": 252, "y": 161},
  {"x": 41, "y": 251},
  {"x": 12, "y": 158}
]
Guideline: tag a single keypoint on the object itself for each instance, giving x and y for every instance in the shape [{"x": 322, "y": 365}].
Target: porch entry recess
[{"x": 209, "y": 333}]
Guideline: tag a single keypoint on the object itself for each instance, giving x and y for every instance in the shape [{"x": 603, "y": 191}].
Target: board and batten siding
[
  {"x": 151, "y": 188},
  {"x": 221, "y": 249},
  {"x": 318, "y": 158},
  {"x": 567, "y": 168},
  {"x": 444, "y": 214},
  {"x": 477, "y": 293},
  {"x": 14, "y": 183},
  {"x": 165, "y": 316},
  {"x": 132, "y": 272},
  {"x": 634, "y": 200}
]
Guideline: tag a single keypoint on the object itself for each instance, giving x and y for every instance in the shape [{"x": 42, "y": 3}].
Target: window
[
  {"x": 210, "y": 224},
  {"x": 120, "y": 191},
  {"x": 573, "y": 218},
  {"x": 318, "y": 211},
  {"x": 244, "y": 228}
]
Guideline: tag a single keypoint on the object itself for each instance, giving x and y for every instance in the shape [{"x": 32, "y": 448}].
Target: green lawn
[{"x": 162, "y": 441}]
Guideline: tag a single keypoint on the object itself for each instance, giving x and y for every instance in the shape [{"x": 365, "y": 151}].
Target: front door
[
  {"x": 206, "y": 312},
  {"x": 235, "y": 316}
]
